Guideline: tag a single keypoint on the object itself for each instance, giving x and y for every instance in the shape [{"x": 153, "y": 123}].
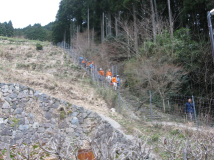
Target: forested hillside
[
  {"x": 161, "y": 46},
  {"x": 36, "y": 32},
  {"x": 6, "y": 29}
]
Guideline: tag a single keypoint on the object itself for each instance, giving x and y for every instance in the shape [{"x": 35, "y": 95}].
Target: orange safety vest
[
  {"x": 114, "y": 79},
  {"x": 109, "y": 74},
  {"x": 83, "y": 61},
  {"x": 88, "y": 64},
  {"x": 101, "y": 73}
]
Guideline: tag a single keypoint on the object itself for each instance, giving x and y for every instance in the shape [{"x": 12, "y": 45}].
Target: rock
[
  {"x": 18, "y": 111},
  {"x": 69, "y": 130},
  {"x": 26, "y": 120},
  {"x": 75, "y": 121},
  {"x": 5, "y": 88},
  {"x": 36, "y": 125},
  {"x": 53, "y": 121},
  {"x": 47, "y": 125},
  {"x": 21, "y": 121},
  {"x": 55, "y": 105},
  {"x": 41, "y": 130},
  {"x": 22, "y": 95},
  {"x": 31, "y": 116},
  {"x": 48, "y": 115},
  {"x": 6, "y": 132},
  {"x": 91, "y": 115},
  {"x": 6, "y": 105},
  {"x": 14, "y": 106},
  {"x": 1, "y": 126},
  {"x": 85, "y": 115},
  {"x": 13, "y": 95},
  {"x": 74, "y": 114},
  {"x": 1, "y": 120}
]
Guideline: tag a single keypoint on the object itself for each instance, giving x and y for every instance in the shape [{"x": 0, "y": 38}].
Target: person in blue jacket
[{"x": 189, "y": 110}]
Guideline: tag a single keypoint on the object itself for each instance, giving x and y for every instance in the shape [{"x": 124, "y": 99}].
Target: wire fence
[{"x": 153, "y": 107}]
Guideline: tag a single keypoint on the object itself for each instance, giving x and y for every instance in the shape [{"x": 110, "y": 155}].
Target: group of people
[{"x": 113, "y": 80}]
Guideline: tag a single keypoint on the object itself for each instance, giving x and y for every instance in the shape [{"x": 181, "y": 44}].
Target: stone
[
  {"x": 30, "y": 115},
  {"x": 41, "y": 130},
  {"x": 26, "y": 120},
  {"x": 69, "y": 130},
  {"x": 27, "y": 141},
  {"x": 35, "y": 125},
  {"x": 75, "y": 121},
  {"x": 47, "y": 125},
  {"x": 12, "y": 88},
  {"x": 48, "y": 115},
  {"x": 91, "y": 115},
  {"x": 5, "y": 88},
  {"x": 5, "y": 139},
  {"x": 74, "y": 114},
  {"x": 18, "y": 111},
  {"x": 55, "y": 105},
  {"x": 1, "y": 126},
  {"x": 21, "y": 121},
  {"x": 21, "y": 127},
  {"x": 14, "y": 106},
  {"x": 1, "y": 120},
  {"x": 6, "y": 132},
  {"x": 6, "y": 105},
  {"x": 13, "y": 95},
  {"x": 84, "y": 115},
  {"x": 53, "y": 121}
]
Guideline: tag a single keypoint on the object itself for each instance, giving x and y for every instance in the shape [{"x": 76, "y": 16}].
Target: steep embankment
[{"x": 52, "y": 72}]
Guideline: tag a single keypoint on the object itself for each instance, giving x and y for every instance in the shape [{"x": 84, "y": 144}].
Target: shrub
[{"x": 39, "y": 46}]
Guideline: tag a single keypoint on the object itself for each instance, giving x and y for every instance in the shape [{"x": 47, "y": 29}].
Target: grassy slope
[{"x": 53, "y": 72}]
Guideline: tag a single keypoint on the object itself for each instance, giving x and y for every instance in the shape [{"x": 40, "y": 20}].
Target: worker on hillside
[
  {"x": 80, "y": 60},
  {"x": 84, "y": 63},
  {"x": 88, "y": 65},
  {"x": 118, "y": 81},
  {"x": 101, "y": 74},
  {"x": 189, "y": 110},
  {"x": 91, "y": 67},
  {"x": 108, "y": 76},
  {"x": 114, "y": 81}
]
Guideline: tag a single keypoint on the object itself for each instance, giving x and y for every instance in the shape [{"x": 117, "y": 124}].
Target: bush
[{"x": 39, "y": 46}]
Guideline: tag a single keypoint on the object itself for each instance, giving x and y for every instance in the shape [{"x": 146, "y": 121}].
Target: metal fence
[{"x": 153, "y": 108}]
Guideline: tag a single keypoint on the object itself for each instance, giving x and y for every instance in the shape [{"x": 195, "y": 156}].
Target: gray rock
[
  {"x": 36, "y": 125},
  {"x": 1, "y": 126},
  {"x": 75, "y": 121},
  {"x": 1, "y": 120},
  {"x": 6, "y": 132},
  {"x": 22, "y": 95},
  {"x": 21, "y": 127},
  {"x": 48, "y": 115},
  {"x": 31, "y": 116},
  {"x": 53, "y": 121},
  {"x": 91, "y": 115},
  {"x": 12, "y": 142},
  {"x": 6, "y": 105},
  {"x": 47, "y": 125},
  {"x": 5, "y": 88},
  {"x": 13, "y": 95},
  {"x": 5, "y": 139},
  {"x": 14, "y": 106},
  {"x": 27, "y": 141},
  {"x": 69, "y": 130},
  {"x": 41, "y": 130},
  {"x": 26, "y": 120},
  {"x": 18, "y": 111},
  {"x": 2, "y": 146},
  {"x": 55, "y": 105},
  {"x": 21, "y": 121},
  {"x": 84, "y": 115},
  {"x": 12, "y": 88}
]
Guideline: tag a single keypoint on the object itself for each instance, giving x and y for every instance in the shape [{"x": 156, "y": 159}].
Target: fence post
[
  {"x": 194, "y": 111},
  {"x": 151, "y": 104},
  {"x": 119, "y": 98},
  {"x": 116, "y": 69},
  {"x": 8, "y": 152}
]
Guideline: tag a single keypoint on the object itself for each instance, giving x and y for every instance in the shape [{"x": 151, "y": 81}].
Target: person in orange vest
[
  {"x": 108, "y": 76},
  {"x": 114, "y": 81},
  {"x": 101, "y": 74},
  {"x": 84, "y": 63},
  {"x": 88, "y": 65}
]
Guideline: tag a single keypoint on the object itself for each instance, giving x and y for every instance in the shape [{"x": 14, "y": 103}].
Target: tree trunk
[
  {"x": 64, "y": 37},
  {"x": 106, "y": 26},
  {"x": 135, "y": 30},
  {"x": 109, "y": 23},
  {"x": 156, "y": 11},
  {"x": 116, "y": 25},
  {"x": 93, "y": 35},
  {"x": 88, "y": 30},
  {"x": 153, "y": 21},
  {"x": 102, "y": 28},
  {"x": 170, "y": 19}
]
